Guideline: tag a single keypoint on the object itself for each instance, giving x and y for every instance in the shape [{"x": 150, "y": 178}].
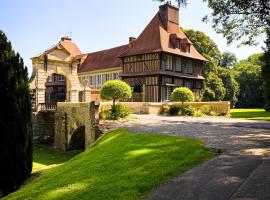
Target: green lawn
[
  {"x": 120, "y": 166},
  {"x": 45, "y": 157},
  {"x": 251, "y": 114}
]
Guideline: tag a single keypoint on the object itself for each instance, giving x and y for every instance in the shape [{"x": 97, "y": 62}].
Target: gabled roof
[
  {"x": 155, "y": 38},
  {"x": 65, "y": 43},
  {"x": 101, "y": 59}
]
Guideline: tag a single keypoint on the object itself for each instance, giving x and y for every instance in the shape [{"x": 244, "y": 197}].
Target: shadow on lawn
[{"x": 47, "y": 155}]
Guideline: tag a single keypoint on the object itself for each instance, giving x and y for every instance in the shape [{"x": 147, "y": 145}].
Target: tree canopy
[
  {"x": 15, "y": 123},
  {"x": 228, "y": 59}
]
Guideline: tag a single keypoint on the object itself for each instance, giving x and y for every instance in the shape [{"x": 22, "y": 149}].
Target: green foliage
[
  {"x": 215, "y": 86},
  {"x": 228, "y": 59},
  {"x": 248, "y": 75},
  {"x": 120, "y": 166},
  {"x": 230, "y": 84},
  {"x": 239, "y": 20},
  {"x": 15, "y": 123},
  {"x": 115, "y": 90},
  {"x": 188, "y": 111},
  {"x": 116, "y": 112},
  {"x": 266, "y": 75},
  {"x": 174, "y": 110},
  {"x": 182, "y": 94}
]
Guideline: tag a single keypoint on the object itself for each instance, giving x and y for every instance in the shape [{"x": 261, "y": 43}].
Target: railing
[{"x": 47, "y": 106}]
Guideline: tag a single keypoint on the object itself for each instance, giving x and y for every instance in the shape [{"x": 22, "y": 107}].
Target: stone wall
[
  {"x": 222, "y": 107},
  {"x": 71, "y": 126}
]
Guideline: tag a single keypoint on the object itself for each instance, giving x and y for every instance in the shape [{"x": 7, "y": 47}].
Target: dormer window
[
  {"x": 188, "y": 49},
  {"x": 177, "y": 44}
]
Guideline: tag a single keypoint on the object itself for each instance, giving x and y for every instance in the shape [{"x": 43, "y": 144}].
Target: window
[
  {"x": 115, "y": 75},
  {"x": 168, "y": 93},
  {"x": 61, "y": 78},
  {"x": 167, "y": 62},
  {"x": 189, "y": 84},
  {"x": 198, "y": 84},
  {"x": 178, "y": 67},
  {"x": 91, "y": 81},
  {"x": 99, "y": 80},
  {"x": 49, "y": 78},
  {"x": 187, "y": 66},
  {"x": 177, "y": 43},
  {"x": 188, "y": 48}
]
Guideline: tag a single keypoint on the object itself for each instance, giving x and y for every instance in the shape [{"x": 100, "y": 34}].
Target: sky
[{"x": 34, "y": 25}]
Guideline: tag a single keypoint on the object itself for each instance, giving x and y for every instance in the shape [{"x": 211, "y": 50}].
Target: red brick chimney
[
  {"x": 169, "y": 15},
  {"x": 65, "y": 38}
]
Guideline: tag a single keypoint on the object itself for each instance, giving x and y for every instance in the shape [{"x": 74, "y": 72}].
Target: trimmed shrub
[
  {"x": 174, "y": 110},
  {"x": 115, "y": 113},
  {"x": 197, "y": 113},
  {"x": 188, "y": 111},
  {"x": 115, "y": 90}
]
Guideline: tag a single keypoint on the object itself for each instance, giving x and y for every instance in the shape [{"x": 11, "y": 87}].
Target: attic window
[
  {"x": 188, "y": 48},
  {"x": 177, "y": 43}
]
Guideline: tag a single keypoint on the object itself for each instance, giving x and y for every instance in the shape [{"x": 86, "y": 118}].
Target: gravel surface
[{"x": 232, "y": 136}]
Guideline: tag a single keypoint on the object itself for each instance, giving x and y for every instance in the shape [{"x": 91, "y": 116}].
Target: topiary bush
[
  {"x": 182, "y": 94},
  {"x": 116, "y": 90}
]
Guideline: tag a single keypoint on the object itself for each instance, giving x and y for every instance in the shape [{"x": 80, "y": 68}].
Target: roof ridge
[{"x": 100, "y": 51}]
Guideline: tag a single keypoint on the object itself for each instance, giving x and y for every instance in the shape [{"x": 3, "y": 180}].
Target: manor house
[{"x": 156, "y": 62}]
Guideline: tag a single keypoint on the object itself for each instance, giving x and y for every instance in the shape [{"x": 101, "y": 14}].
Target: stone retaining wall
[{"x": 222, "y": 107}]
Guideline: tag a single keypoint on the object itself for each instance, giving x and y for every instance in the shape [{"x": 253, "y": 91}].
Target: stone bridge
[{"x": 71, "y": 126}]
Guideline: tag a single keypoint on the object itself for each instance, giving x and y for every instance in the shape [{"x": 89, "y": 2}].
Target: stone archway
[{"x": 56, "y": 60}]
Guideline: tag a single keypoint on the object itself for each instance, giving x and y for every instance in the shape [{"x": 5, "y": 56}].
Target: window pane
[{"x": 178, "y": 64}]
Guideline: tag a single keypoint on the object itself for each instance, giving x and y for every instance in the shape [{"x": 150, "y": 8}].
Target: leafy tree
[
  {"x": 204, "y": 44},
  {"x": 215, "y": 84},
  {"x": 244, "y": 21},
  {"x": 248, "y": 75},
  {"x": 15, "y": 123},
  {"x": 115, "y": 90},
  {"x": 228, "y": 59},
  {"x": 182, "y": 94}
]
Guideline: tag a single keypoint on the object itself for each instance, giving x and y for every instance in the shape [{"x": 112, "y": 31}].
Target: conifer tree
[{"x": 15, "y": 119}]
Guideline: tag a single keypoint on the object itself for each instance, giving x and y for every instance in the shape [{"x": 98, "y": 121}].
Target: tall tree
[
  {"x": 248, "y": 75},
  {"x": 244, "y": 20},
  {"x": 15, "y": 123},
  {"x": 228, "y": 59}
]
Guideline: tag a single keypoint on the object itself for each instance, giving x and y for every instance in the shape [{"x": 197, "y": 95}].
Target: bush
[
  {"x": 205, "y": 109},
  {"x": 115, "y": 90},
  {"x": 115, "y": 113},
  {"x": 197, "y": 113},
  {"x": 174, "y": 110},
  {"x": 188, "y": 111},
  {"x": 182, "y": 94}
]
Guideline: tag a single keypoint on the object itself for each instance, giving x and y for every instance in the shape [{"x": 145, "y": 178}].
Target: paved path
[{"x": 242, "y": 172}]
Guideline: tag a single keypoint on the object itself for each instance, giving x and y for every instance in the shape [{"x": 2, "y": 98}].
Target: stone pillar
[{"x": 60, "y": 130}]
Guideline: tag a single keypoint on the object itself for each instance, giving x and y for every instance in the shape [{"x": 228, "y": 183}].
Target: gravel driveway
[
  {"x": 241, "y": 172},
  {"x": 231, "y": 136}
]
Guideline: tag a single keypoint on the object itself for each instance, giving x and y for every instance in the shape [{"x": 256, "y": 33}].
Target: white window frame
[
  {"x": 99, "y": 80},
  {"x": 168, "y": 62},
  {"x": 115, "y": 75}
]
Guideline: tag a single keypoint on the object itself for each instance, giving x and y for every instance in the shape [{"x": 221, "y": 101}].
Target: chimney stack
[
  {"x": 169, "y": 15},
  {"x": 131, "y": 40},
  {"x": 65, "y": 38}
]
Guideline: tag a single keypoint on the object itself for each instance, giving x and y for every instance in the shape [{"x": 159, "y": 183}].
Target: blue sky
[{"x": 34, "y": 25}]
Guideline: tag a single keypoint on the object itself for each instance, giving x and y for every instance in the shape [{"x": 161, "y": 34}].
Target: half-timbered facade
[
  {"x": 162, "y": 58},
  {"x": 159, "y": 60}
]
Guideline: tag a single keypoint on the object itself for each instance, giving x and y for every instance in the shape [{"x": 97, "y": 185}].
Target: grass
[
  {"x": 45, "y": 157},
  {"x": 250, "y": 114},
  {"x": 120, "y": 166}
]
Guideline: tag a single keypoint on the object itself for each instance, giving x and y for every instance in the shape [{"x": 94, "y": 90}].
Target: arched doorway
[{"x": 56, "y": 89}]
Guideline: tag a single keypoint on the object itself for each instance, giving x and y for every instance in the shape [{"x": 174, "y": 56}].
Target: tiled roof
[
  {"x": 101, "y": 59},
  {"x": 69, "y": 46},
  {"x": 155, "y": 38}
]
